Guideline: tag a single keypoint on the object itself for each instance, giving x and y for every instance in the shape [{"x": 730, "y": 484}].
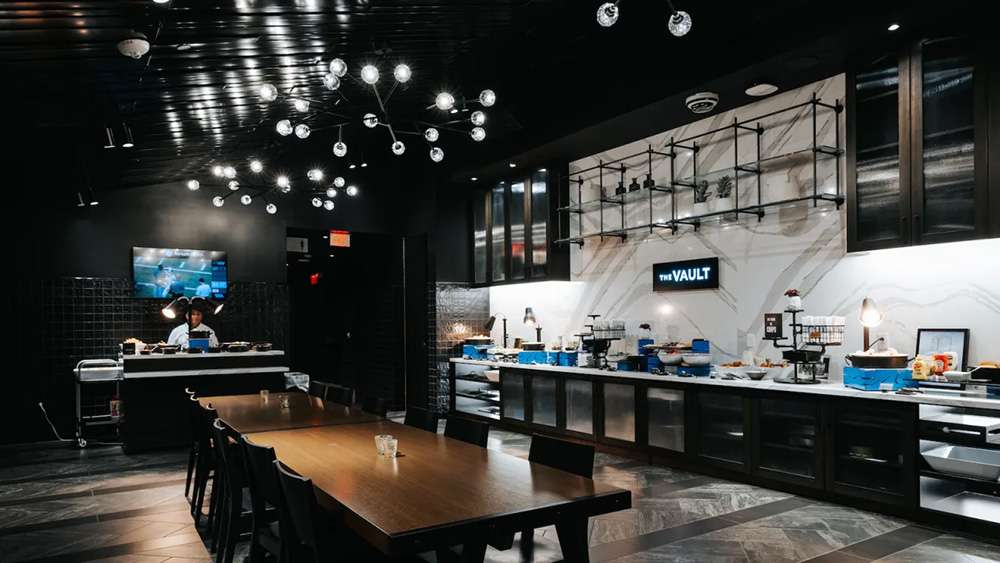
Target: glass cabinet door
[
  {"x": 512, "y": 395},
  {"x": 619, "y": 411},
  {"x": 517, "y": 230},
  {"x": 498, "y": 232},
  {"x": 872, "y": 451},
  {"x": 787, "y": 437},
  {"x": 539, "y": 222},
  {"x": 579, "y": 406},
  {"x": 721, "y": 427},
  {"x": 479, "y": 254},
  {"x": 666, "y": 418},
  {"x": 543, "y": 400},
  {"x": 948, "y": 108},
  {"x": 880, "y": 198}
]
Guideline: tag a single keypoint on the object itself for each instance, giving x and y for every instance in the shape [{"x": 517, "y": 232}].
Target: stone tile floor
[{"x": 62, "y": 505}]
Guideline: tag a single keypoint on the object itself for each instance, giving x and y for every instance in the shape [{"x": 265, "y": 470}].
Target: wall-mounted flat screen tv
[{"x": 166, "y": 273}]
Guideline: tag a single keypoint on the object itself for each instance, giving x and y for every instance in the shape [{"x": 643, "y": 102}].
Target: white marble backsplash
[{"x": 939, "y": 286}]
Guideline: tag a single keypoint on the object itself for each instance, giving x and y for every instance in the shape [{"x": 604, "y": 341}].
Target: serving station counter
[
  {"x": 155, "y": 413},
  {"x": 824, "y": 440}
]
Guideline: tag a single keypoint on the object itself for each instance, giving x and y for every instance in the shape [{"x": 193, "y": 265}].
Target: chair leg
[
  {"x": 528, "y": 544},
  {"x": 192, "y": 456},
  {"x": 233, "y": 526},
  {"x": 198, "y": 499},
  {"x": 218, "y": 495}
]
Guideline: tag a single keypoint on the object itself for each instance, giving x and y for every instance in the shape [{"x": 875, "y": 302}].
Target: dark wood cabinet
[
  {"x": 513, "y": 226},
  {"x": 872, "y": 451},
  {"x": 722, "y": 429},
  {"x": 788, "y": 440},
  {"x": 919, "y": 144}
]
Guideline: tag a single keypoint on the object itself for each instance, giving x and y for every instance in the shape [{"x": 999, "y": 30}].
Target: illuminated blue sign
[{"x": 686, "y": 274}]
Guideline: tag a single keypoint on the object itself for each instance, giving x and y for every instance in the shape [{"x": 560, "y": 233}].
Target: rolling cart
[{"x": 91, "y": 373}]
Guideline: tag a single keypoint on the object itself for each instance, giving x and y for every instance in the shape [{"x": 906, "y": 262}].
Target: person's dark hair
[{"x": 201, "y": 280}]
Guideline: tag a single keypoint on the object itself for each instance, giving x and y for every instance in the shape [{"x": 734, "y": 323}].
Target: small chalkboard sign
[{"x": 774, "y": 324}]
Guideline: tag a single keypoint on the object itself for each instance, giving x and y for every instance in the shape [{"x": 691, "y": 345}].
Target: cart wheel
[{"x": 81, "y": 442}]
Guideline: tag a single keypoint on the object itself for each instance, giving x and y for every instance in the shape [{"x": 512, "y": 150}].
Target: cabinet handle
[{"x": 947, "y": 430}]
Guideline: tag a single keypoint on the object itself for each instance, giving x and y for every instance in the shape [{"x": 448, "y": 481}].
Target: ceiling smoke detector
[
  {"x": 134, "y": 46},
  {"x": 702, "y": 102}
]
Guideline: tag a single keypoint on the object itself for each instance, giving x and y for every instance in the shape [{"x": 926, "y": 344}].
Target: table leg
[
  {"x": 573, "y": 539},
  {"x": 473, "y": 553}
]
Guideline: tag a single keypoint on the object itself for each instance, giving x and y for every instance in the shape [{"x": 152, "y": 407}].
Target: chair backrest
[
  {"x": 300, "y": 501},
  {"x": 195, "y": 419},
  {"x": 339, "y": 394},
  {"x": 374, "y": 405},
  {"x": 471, "y": 431},
  {"x": 260, "y": 468},
  {"x": 229, "y": 452},
  {"x": 202, "y": 419},
  {"x": 421, "y": 418},
  {"x": 317, "y": 388},
  {"x": 560, "y": 454}
]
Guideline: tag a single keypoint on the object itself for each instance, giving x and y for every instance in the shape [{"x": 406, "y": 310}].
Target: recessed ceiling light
[
  {"x": 454, "y": 110},
  {"x": 183, "y": 46},
  {"x": 95, "y": 202},
  {"x": 543, "y": 169},
  {"x": 474, "y": 179},
  {"x": 758, "y": 89},
  {"x": 353, "y": 166},
  {"x": 893, "y": 26},
  {"x": 364, "y": 165},
  {"x": 512, "y": 164}
]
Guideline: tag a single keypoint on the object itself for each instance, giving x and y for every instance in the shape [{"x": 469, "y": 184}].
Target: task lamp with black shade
[
  {"x": 870, "y": 318},
  {"x": 531, "y": 321}
]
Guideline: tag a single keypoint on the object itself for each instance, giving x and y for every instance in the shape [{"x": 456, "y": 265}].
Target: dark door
[{"x": 415, "y": 324}]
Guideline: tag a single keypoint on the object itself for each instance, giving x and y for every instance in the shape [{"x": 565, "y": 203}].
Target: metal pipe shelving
[{"x": 747, "y": 171}]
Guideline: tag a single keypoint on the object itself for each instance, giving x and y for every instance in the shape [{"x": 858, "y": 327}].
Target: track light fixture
[{"x": 678, "y": 22}]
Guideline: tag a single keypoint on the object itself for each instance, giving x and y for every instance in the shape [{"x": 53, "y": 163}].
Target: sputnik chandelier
[
  {"x": 311, "y": 109},
  {"x": 679, "y": 22},
  {"x": 253, "y": 187}
]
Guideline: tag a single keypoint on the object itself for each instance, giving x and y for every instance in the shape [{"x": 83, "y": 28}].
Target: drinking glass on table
[
  {"x": 391, "y": 447},
  {"x": 265, "y": 394},
  {"x": 380, "y": 441}
]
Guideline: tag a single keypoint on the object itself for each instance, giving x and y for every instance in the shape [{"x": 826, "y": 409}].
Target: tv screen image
[{"x": 166, "y": 273}]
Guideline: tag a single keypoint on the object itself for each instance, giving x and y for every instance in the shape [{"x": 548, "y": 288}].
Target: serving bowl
[{"x": 697, "y": 359}]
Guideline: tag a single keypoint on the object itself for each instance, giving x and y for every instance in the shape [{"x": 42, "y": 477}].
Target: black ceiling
[{"x": 193, "y": 100}]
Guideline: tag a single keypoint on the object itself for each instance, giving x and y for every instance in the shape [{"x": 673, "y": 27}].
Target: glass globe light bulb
[
  {"x": 437, "y": 155},
  {"x": 478, "y": 134},
  {"x": 398, "y": 148},
  {"x": 217, "y": 170},
  {"x": 271, "y": 208},
  {"x": 283, "y": 181},
  {"x": 487, "y": 97},
  {"x": 256, "y": 166},
  {"x": 607, "y": 14},
  {"x": 234, "y": 185},
  {"x": 301, "y": 105},
  {"x": 339, "y": 181},
  {"x": 331, "y": 81},
  {"x": 679, "y": 23},
  {"x": 229, "y": 172},
  {"x": 338, "y": 67},
  {"x": 331, "y": 192},
  {"x": 302, "y": 130},
  {"x": 218, "y": 201},
  {"x": 477, "y": 118},
  {"x": 370, "y": 120},
  {"x": 369, "y": 73},
  {"x": 352, "y": 191},
  {"x": 193, "y": 185},
  {"x": 316, "y": 175},
  {"x": 340, "y": 149},
  {"x": 328, "y": 205},
  {"x": 283, "y": 127},
  {"x": 317, "y": 202},
  {"x": 245, "y": 199},
  {"x": 431, "y": 134},
  {"x": 444, "y": 101},
  {"x": 268, "y": 92},
  {"x": 402, "y": 73}
]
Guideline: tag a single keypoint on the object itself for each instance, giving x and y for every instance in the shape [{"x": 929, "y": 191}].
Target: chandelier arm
[
  {"x": 673, "y": 10},
  {"x": 392, "y": 133},
  {"x": 391, "y": 92}
]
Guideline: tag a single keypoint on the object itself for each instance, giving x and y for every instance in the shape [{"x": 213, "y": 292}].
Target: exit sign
[
  {"x": 702, "y": 273},
  {"x": 340, "y": 239}
]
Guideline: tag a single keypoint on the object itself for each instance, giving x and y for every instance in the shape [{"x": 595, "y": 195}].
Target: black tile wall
[
  {"x": 65, "y": 320},
  {"x": 453, "y": 307}
]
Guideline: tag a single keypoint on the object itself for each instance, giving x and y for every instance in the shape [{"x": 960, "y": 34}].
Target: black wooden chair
[
  {"x": 339, "y": 394},
  {"x": 312, "y": 534},
  {"x": 193, "y": 420},
  {"x": 318, "y": 388},
  {"x": 205, "y": 464},
  {"x": 570, "y": 457},
  {"x": 471, "y": 431},
  {"x": 233, "y": 518},
  {"x": 374, "y": 405},
  {"x": 265, "y": 492},
  {"x": 421, "y": 418}
]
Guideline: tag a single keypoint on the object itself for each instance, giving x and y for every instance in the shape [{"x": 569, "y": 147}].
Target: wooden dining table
[
  {"x": 439, "y": 492},
  {"x": 254, "y": 413}
]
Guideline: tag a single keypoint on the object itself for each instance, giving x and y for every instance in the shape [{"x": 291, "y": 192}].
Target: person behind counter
[{"x": 194, "y": 316}]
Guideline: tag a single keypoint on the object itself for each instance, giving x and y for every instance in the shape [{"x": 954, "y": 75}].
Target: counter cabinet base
[{"x": 854, "y": 452}]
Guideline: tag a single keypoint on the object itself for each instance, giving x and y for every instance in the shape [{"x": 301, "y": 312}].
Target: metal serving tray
[{"x": 966, "y": 462}]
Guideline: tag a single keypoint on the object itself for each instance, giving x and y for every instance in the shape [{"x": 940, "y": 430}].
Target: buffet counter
[
  {"x": 155, "y": 409},
  {"x": 828, "y": 389},
  {"x": 876, "y": 450}
]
